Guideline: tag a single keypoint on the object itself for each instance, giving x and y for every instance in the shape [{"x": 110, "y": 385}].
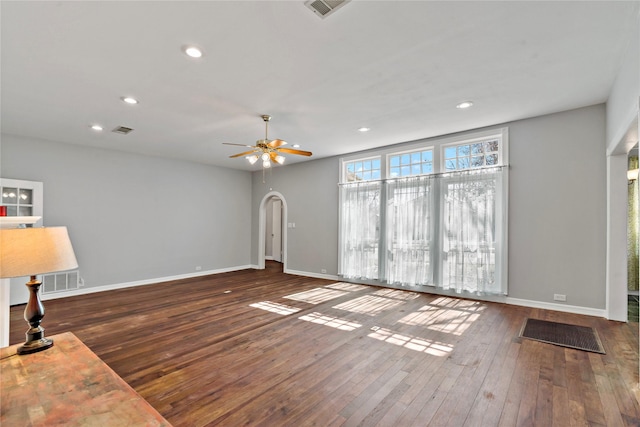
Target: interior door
[{"x": 276, "y": 230}]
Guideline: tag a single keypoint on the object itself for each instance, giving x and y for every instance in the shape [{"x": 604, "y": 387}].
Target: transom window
[
  {"x": 410, "y": 164},
  {"x": 363, "y": 170},
  {"x": 471, "y": 155}
]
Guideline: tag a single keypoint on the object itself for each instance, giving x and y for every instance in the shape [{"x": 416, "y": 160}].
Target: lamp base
[
  {"x": 35, "y": 346},
  {"x": 33, "y": 314}
]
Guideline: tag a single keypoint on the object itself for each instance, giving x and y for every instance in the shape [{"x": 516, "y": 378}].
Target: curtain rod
[{"x": 431, "y": 175}]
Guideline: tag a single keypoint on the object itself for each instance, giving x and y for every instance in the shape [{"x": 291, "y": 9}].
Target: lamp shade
[{"x": 32, "y": 251}]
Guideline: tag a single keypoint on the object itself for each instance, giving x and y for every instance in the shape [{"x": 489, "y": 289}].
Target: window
[
  {"x": 436, "y": 216},
  {"x": 411, "y": 163},
  {"x": 362, "y": 170},
  {"x": 360, "y": 228},
  {"x": 471, "y": 155}
]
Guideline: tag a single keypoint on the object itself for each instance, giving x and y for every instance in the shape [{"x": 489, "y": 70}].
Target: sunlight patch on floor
[
  {"x": 458, "y": 304},
  {"x": 369, "y": 304},
  {"x": 411, "y": 342},
  {"x": 449, "y": 320},
  {"x": 316, "y": 295},
  {"x": 274, "y": 307},
  {"x": 334, "y": 322},
  {"x": 397, "y": 294},
  {"x": 350, "y": 287}
]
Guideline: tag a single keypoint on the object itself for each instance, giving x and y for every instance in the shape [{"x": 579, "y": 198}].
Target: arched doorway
[{"x": 280, "y": 205}]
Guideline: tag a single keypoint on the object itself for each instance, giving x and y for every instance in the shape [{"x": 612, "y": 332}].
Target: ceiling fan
[{"x": 267, "y": 150}]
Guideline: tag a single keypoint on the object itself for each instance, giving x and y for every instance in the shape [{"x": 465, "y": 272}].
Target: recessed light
[
  {"x": 129, "y": 100},
  {"x": 465, "y": 104},
  {"x": 192, "y": 51},
  {"x": 363, "y": 129},
  {"x": 296, "y": 145},
  {"x": 97, "y": 128}
]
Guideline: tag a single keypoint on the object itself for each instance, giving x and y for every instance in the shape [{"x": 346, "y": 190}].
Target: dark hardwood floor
[{"x": 263, "y": 348}]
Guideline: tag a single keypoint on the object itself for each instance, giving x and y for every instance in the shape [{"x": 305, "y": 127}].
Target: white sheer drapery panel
[
  {"x": 360, "y": 230},
  {"x": 409, "y": 230},
  {"x": 469, "y": 216}
]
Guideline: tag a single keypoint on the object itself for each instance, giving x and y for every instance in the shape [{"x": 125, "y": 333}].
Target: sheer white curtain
[
  {"x": 360, "y": 229},
  {"x": 447, "y": 231},
  {"x": 473, "y": 231},
  {"x": 409, "y": 230}
]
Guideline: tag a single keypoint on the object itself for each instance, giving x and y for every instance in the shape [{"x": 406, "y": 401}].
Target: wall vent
[
  {"x": 60, "y": 282},
  {"x": 324, "y": 8},
  {"x": 122, "y": 130}
]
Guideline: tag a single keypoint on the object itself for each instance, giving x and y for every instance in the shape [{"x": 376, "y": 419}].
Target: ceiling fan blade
[
  {"x": 242, "y": 154},
  {"x": 277, "y": 143},
  {"x": 239, "y": 145},
  {"x": 292, "y": 151}
]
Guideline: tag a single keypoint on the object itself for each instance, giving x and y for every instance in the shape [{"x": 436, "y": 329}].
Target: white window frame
[
  {"x": 345, "y": 161},
  {"x": 411, "y": 151},
  {"x": 471, "y": 142},
  {"x": 438, "y": 145}
]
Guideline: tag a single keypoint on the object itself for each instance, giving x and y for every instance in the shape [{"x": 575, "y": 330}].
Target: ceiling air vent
[
  {"x": 123, "y": 130},
  {"x": 324, "y": 8}
]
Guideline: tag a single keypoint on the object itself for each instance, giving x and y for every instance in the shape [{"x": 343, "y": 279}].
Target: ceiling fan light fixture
[
  {"x": 266, "y": 164},
  {"x": 252, "y": 159},
  {"x": 265, "y": 157},
  {"x": 280, "y": 159}
]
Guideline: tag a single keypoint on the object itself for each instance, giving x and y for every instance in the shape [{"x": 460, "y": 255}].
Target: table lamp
[{"x": 29, "y": 252}]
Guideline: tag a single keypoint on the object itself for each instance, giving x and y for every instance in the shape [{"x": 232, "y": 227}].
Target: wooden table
[{"x": 68, "y": 385}]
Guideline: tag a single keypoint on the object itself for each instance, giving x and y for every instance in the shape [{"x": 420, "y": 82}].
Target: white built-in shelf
[{"x": 17, "y": 221}]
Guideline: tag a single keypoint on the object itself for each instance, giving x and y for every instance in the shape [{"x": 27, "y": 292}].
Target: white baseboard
[
  {"x": 575, "y": 309},
  {"x": 314, "y": 275},
  {"x": 91, "y": 290}
]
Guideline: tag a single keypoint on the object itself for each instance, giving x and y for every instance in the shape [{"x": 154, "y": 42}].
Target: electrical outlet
[
  {"x": 559, "y": 297},
  {"x": 198, "y": 268},
  {"x": 324, "y": 270}
]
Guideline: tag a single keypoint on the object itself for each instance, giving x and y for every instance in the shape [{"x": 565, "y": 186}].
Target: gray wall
[
  {"x": 311, "y": 193},
  {"x": 622, "y": 105},
  {"x": 557, "y": 208},
  {"x": 133, "y": 217}
]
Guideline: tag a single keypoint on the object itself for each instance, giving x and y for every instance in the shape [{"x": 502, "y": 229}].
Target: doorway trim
[{"x": 262, "y": 228}]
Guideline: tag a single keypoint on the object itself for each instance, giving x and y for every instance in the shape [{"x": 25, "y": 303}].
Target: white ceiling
[{"x": 396, "y": 67}]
